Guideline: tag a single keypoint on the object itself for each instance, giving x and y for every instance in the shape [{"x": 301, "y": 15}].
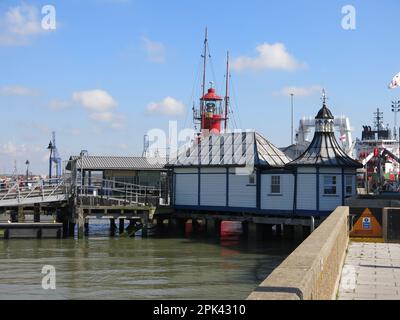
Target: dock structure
[{"x": 74, "y": 201}]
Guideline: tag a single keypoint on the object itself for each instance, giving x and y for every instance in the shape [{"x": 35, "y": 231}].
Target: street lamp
[
  {"x": 395, "y": 109},
  {"x": 50, "y": 148},
  {"x": 291, "y": 135},
  {"x": 27, "y": 169}
]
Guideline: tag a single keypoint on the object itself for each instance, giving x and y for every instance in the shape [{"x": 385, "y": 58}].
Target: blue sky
[{"x": 114, "y": 69}]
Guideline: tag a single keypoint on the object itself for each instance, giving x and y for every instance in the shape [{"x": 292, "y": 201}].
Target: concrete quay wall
[{"x": 312, "y": 271}]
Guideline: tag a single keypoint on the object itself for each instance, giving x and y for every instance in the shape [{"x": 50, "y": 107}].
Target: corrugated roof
[
  {"x": 117, "y": 163},
  {"x": 246, "y": 148}
]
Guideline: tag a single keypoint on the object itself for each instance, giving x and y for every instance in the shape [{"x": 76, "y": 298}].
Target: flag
[
  {"x": 342, "y": 137},
  {"x": 395, "y": 82}
]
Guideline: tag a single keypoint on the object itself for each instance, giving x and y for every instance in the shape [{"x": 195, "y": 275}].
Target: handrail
[{"x": 106, "y": 189}]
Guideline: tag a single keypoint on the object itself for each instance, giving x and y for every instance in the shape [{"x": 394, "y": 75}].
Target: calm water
[{"x": 100, "y": 267}]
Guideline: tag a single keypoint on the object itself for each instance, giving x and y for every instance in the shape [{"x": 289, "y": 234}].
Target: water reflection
[{"x": 99, "y": 267}]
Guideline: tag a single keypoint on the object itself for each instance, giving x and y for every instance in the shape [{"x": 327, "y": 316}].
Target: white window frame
[
  {"x": 275, "y": 184},
  {"x": 351, "y": 185},
  {"x": 332, "y": 184}
]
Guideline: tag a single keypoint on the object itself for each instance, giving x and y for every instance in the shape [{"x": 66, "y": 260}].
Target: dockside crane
[{"x": 54, "y": 158}]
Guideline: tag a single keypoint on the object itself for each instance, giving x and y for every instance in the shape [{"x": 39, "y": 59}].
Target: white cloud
[
  {"x": 101, "y": 107},
  {"x": 301, "y": 91},
  {"x": 167, "y": 107},
  {"x": 95, "y": 101},
  {"x": 17, "y": 91},
  {"x": 270, "y": 57},
  {"x": 18, "y": 24},
  {"x": 155, "y": 51}
]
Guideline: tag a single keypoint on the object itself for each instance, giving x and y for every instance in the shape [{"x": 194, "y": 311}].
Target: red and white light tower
[{"x": 213, "y": 110}]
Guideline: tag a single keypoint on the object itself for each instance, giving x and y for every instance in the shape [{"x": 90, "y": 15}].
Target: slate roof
[
  {"x": 324, "y": 149},
  {"x": 231, "y": 149}
]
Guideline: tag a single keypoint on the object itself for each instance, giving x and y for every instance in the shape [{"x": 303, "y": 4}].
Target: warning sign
[{"x": 366, "y": 225}]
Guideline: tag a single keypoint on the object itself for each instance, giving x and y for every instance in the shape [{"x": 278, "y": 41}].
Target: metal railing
[
  {"x": 42, "y": 190},
  {"x": 104, "y": 190},
  {"x": 95, "y": 191}
]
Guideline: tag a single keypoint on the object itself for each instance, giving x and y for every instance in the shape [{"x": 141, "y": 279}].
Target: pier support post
[
  {"x": 71, "y": 228},
  {"x": 113, "y": 227},
  {"x": 145, "y": 222},
  {"x": 81, "y": 223},
  {"x": 177, "y": 226},
  {"x": 13, "y": 216},
  {"x": 258, "y": 231},
  {"x": 214, "y": 227},
  {"x": 306, "y": 231},
  {"x": 86, "y": 226},
  {"x": 160, "y": 225},
  {"x": 195, "y": 226},
  {"x": 121, "y": 225},
  {"x": 36, "y": 212},
  {"x": 21, "y": 214},
  {"x": 288, "y": 231},
  {"x": 298, "y": 232},
  {"x": 245, "y": 228},
  {"x": 278, "y": 230}
]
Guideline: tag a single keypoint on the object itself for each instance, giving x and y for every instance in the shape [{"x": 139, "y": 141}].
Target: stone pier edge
[{"x": 312, "y": 271}]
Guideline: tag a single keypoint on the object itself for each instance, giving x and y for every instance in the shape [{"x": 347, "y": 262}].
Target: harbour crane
[{"x": 54, "y": 158}]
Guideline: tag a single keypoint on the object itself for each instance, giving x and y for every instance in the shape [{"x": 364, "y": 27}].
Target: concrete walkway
[{"x": 371, "y": 272}]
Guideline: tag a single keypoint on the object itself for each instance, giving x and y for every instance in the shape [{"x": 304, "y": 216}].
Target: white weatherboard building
[{"x": 242, "y": 172}]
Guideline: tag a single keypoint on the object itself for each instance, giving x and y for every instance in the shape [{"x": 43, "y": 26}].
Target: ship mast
[
  {"x": 204, "y": 56},
  {"x": 227, "y": 91}
]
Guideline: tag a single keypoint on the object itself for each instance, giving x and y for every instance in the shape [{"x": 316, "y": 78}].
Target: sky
[{"x": 103, "y": 73}]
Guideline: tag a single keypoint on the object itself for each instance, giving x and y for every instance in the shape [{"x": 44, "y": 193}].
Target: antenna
[
  {"x": 227, "y": 91},
  {"x": 378, "y": 119}
]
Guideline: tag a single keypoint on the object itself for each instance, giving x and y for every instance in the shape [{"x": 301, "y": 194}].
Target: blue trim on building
[
  {"x": 227, "y": 187},
  {"x": 216, "y": 209},
  {"x": 343, "y": 195},
  {"x": 317, "y": 191},
  {"x": 295, "y": 194},
  {"x": 174, "y": 188},
  {"x": 198, "y": 186},
  {"x": 258, "y": 190}
]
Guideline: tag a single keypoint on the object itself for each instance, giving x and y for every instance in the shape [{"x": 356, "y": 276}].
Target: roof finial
[
  {"x": 211, "y": 84},
  {"x": 324, "y": 98}
]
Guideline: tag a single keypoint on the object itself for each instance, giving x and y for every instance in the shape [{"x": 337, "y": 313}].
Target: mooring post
[
  {"x": 81, "y": 223},
  {"x": 121, "y": 225},
  {"x": 145, "y": 222}
]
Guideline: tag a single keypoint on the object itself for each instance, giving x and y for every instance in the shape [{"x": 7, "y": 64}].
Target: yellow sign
[{"x": 367, "y": 226}]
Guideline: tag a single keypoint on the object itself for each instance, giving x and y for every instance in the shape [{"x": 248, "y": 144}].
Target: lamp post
[
  {"x": 50, "y": 148},
  {"x": 27, "y": 169},
  {"x": 291, "y": 131},
  {"x": 395, "y": 109}
]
